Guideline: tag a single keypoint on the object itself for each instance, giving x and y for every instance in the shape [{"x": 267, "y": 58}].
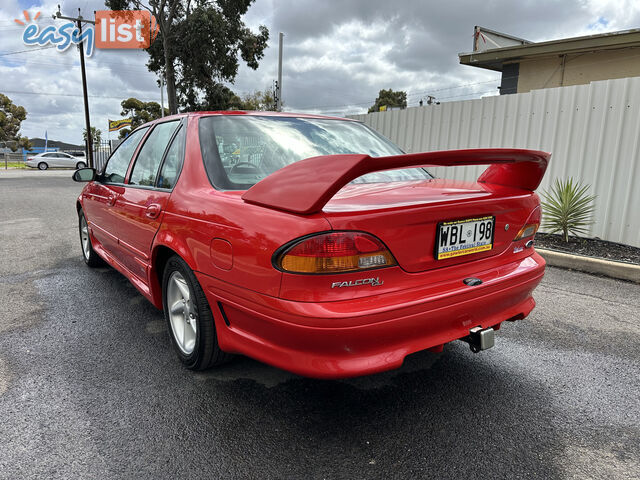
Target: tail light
[
  {"x": 530, "y": 228},
  {"x": 334, "y": 252}
]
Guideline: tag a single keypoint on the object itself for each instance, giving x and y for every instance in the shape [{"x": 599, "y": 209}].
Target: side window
[
  {"x": 117, "y": 166},
  {"x": 172, "y": 162},
  {"x": 150, "y": 156}
]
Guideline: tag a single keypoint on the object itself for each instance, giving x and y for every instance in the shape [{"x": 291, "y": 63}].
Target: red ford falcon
[{"x": 312, "y": 243}]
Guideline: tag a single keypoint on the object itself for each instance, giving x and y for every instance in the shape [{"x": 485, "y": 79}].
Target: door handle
[
  {"x": 153, "y": 210},
  {"x": 111, "y": 200}
]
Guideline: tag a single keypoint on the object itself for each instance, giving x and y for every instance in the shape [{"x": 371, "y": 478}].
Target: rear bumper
[{"x": 371, "y": 334}]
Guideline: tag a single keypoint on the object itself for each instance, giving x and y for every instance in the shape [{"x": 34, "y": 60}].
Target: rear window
[{"x": 239, "y": 151}]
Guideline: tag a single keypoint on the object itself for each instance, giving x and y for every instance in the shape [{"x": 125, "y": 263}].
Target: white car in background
[{"x": 43, "y": 161}]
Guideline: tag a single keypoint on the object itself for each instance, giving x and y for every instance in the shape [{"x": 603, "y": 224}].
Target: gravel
[{"x": 590, "y": 247}]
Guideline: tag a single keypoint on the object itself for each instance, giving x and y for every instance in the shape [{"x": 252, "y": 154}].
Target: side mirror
[{"x": 84, "y": 175}]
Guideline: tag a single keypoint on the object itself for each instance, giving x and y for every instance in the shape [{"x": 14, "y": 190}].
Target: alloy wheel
[
  {"x": 182, "y": 313},
  {"x": 84, "y": 238}
]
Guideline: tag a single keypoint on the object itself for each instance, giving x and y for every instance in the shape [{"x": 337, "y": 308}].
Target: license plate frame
[{"x": 439, "y": 255}]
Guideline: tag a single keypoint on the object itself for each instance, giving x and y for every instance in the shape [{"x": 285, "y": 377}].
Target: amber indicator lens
[
  {"x": 527, "y": 231},
  {"x": 336, "y": 252},
  {"x": 531, "y": 226}
]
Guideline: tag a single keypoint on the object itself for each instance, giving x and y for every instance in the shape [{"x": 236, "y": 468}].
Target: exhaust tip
[{"x": 472, "y": 281}]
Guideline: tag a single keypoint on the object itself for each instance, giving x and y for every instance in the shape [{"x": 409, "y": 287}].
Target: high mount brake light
[
  {"x": 531, "y": 226},
  {"x": 335, "y": 252}
]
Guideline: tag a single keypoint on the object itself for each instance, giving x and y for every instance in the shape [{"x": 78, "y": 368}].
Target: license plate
[{"x": 463, "y": 237}]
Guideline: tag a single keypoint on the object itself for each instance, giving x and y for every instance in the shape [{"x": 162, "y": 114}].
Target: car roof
[
  {"x": 250, "y": 113},
  {"x": 253, "y": 113}
]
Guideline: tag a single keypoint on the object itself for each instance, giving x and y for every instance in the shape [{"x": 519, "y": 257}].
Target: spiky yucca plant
[{"x": 567, "y": 208}]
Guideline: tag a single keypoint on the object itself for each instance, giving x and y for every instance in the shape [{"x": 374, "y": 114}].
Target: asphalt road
[{"x": 90, "y": 387}]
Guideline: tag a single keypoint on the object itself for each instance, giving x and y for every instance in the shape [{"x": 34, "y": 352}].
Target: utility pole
[
  {"x": 79, "y": 21},
  {"x": 275, "y": 95},
  {"x": 279, "y": 88}
]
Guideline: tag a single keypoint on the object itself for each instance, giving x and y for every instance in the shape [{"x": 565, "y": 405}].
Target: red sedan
[{"x": 313, "y": 243}]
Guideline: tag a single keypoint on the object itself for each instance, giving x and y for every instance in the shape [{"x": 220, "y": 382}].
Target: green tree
[
  {"x": 259, "y": 100},
  {"x": 215, "y": 96},
  {"x": 389, "y": 99},
  {"x": 198, "y": 46},
  {"x": 140, "y": 112},
  {"x": 96, "y": 135},
  {"x": 11, "y": 116}
]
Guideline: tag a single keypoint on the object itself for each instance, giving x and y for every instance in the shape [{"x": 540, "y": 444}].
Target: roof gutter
[{"x": 494, "y": 58}]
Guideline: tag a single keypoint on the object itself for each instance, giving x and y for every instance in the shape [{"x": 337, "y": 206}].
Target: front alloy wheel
[{"x": 91, "y": 258}]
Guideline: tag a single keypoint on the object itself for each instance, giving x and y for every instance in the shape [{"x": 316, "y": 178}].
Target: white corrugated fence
[{"x": 593, "y": 132}]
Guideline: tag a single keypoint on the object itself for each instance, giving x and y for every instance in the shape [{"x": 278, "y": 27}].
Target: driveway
[{"x": 90, "y": 387}]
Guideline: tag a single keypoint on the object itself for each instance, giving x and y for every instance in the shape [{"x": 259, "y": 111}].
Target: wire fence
[
  {"x": 11, "y": 160},
  {"x": 101, "y": 152}
]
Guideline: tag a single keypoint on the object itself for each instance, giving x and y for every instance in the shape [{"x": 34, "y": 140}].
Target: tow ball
[{"x": 480, "y": 339}]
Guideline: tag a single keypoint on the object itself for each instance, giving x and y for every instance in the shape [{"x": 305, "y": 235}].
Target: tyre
[
  {"x": 91, "y": 258},
  {"x": 43, "y": 166},
  {"x": 80, "y": 165},
  {"x": 189, "y": 318}
]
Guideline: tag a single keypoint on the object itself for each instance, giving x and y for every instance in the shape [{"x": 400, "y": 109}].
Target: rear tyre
[
  {"x": 189, "y": 318},
  {"x": 80, "y": 165},
  {"x": 91, "y": 258},
  {"x": 43, "y": 166}
]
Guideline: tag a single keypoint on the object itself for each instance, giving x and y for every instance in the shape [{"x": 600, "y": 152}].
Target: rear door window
[
  {"x": 146, "y": 167},
  {"x": 173, "y": 162},
  {"x": 116, "y": 168}
]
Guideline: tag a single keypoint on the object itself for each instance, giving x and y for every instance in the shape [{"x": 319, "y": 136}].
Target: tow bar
[{"x": 480, "y": 339}]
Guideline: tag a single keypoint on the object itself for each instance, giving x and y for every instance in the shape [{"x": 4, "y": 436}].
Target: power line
[
  {"x": 25, "y": 61},
  {"x": 414, "y": 105},
  {"x": 415, "y": 93},
  {"x": 23, "y": 51},
  {"x": 15, "y": 92},
  {"x": 120, "y": 70},
  {"x": 432, "y": 91},
  {"x": 426, "y": 92}
]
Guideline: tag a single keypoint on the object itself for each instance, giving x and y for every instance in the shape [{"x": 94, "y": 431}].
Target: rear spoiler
[{"x": 306, "y": 186}]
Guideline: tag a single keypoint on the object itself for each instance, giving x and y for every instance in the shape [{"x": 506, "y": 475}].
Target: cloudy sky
[{"x": 338, "y": 54}]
